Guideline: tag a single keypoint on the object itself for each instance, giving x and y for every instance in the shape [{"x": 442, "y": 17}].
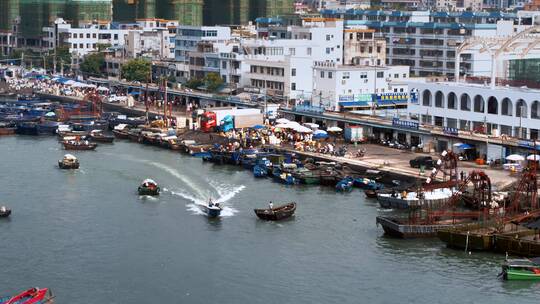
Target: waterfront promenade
[{"x": 384, "y": 159}]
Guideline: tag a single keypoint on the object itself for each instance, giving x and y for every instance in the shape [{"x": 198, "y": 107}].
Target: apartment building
[
  {"x": 338, "y": 87},
  {"x": 427, "y": 41}
]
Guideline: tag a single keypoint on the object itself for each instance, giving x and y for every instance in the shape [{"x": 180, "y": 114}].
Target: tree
[
  {"x": 93, "y": 64},
  {"x": 63, "y": 56},
  {"x": 137, "y": 70},
  {"x": 213, "y": 81},
  {"x": 194, "y": 83}
]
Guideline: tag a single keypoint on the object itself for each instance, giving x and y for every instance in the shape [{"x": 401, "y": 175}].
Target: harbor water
[{"x": 88, "y": 236}]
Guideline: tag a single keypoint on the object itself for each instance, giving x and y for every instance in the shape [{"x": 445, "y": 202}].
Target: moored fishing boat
[
  {"x": 69, "y": 161},
  {"x": 99, "y": 136},
  {"x": 27, "y": 128},
  {"x": 7, "y": 129},
  {"x": 404, "y": 200},
  {"x": 31, "y": 296},
  {"x": 148, "y": 187},
  {"x": 4, "y": 211},
  {"x": 345, "y": 185},
  {"x": 121, "y": 131},
  {"x": 521, "y": 269},
  {"x": 276, "y": 213},
  {"x": 79, "y": 145},
  {"x": 370, "y": 193}
]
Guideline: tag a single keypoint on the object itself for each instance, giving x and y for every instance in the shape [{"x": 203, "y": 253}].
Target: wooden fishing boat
[
  {"x": 345, "y": 185},
  {"x": 4, "y": 211},
  {"x": 134, "y": 134},
  {"x": 31, "y": 296},
  {"x": 370, "y": 193},
  {"x": 99, "y": 136},
  {"x": 68, "y": 162},
  {"x": 276, "y": 213},
  {"x": 148, "y": 187},
  {"x": 122, "y": 134},
  {"x": 7, "y": 129},
  {"x": 521, "y": 269},
  {"x": 79, "y": 145}
]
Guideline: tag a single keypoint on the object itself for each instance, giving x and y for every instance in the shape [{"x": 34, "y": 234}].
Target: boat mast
[
  {"x": 146, "y": 102},
  {"x": 165, "y": 102}
]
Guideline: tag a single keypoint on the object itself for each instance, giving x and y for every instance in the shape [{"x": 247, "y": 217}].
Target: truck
[
  {"x": 224, "y": 119},
  {"x": 354, "y": 134}
]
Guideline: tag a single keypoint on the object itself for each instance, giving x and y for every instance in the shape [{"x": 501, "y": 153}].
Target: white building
[
  {"x": 345, "y": 86},
  {"x": 150, "y": 36},
  {"x": 474, "y": 107},
  {"x": 188, "y": 37},
  {"x": 427, "y": 40}
]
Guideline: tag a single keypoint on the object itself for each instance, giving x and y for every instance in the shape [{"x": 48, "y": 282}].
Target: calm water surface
[{"x": 88, "y": 236}]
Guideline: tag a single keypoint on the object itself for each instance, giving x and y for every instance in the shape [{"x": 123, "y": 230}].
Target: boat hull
[
  {"x": 394, "y": 228},
  {"x": 87, "y": 147},
  {"x": 520, "y": 275},
  {"x": 148, "y": 191},
  {"x": 276, "y": 214},
  {"x": 5, "y": 213},
  {"x": 68, "y": 166}
]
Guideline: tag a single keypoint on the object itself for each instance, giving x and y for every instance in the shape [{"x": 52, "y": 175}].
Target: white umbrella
[
  {"x": 334, "y": 129},
  {"x": 458, "y": 144},
  {"x": 282, "y": 121},
  {"x": 535, "y": 157},
  {"x": 302, "y": 129},
  {"x": 311, "y": 125},
  {"x": 515, "y": 157},
  {"x": 284, "y": 126},
  {"x": 102, "y": 89}
]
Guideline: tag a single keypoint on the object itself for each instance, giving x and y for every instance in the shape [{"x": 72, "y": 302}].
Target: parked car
[{"x": 425, "y": 161}]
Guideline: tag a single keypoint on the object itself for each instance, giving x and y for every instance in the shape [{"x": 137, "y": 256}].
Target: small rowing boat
[
  {"x": 4, "y": 211},
  {"x": 79, "y": 145},
  {"x": 31, "y": 296},
  {"x": 276, "y": 213},
  {"x": 149, "y": 187},
  {"x": 521, "y": 269},
  {"x": 99, "y": 136},
  {"x": 68, "y": 162}
]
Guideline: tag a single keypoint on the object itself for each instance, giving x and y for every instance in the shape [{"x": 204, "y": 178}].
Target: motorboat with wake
[{"x": 211, "y": 209}]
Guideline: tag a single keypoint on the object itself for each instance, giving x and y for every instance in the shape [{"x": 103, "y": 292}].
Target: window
[
  {"x": 292, "y": 51},
  {"x": 94, "y": 46},
  {"x": 370, "y": 50},
  {"x": 293, "y": 72},
  {"x": 81, "y": 46},
  {"x": 327, "y": 50},
  {"x": 363, "y": 76},
  {"x": 74, "y": 46},
  {"x": 404, "y": 75},
  {"x": 322, "y": 74},
  {"x": 327, "y": 37},
  {"x": 362, "y": 49},
  {"x": 396, "y": 75},
  {"x": 378, "y": 49},
  {"x": 330, "y": 75},
  {"x": 346, "y": 75},
  {"x": 380, "y": 74},
  {"x": 224, "y": 64},
  {"x": 115, "y": 36},
  {"x": 94, "y": 35},
  {"x": 88, "y": 36},
  {"x": 309, "y": 51},
  {"x": 293, "y": 86}
]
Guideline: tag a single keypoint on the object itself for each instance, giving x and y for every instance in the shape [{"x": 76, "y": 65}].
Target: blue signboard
[
  {"x": 396, "y": 122},
  {"x": 451, "y": 131}
]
